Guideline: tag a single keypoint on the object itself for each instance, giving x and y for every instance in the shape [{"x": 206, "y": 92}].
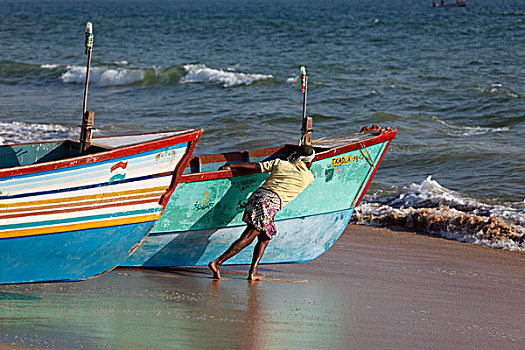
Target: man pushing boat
[{"x": 287, "y": 179}]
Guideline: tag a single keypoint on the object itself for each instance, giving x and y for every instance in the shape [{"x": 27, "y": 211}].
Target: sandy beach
[
  {"x": 450, "y": 81},
  {"x": 375, "y": 289}
]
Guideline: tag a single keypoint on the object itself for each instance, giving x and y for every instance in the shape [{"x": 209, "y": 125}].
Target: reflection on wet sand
[
  {"x": 256, "y": 332},
  {"x": 162, "y": 309}
]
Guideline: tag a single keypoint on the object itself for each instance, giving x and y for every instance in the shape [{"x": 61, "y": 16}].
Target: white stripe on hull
[
  {"x": 80, "y": 204},
  {"x": 163, "y": 181},
  {"x": 68, "y": 201}
]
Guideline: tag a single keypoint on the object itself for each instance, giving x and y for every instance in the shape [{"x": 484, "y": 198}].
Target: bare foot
[
  {"x": 215, "y": 269},
  {"x": 255, "y": 277}
]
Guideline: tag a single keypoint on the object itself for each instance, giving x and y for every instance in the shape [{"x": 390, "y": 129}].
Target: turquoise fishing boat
[
  {"x": 204, "y": 215},
  {"x": 69, "y": 216}
]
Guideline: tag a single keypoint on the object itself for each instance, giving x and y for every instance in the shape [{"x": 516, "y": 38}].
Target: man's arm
[{"x": 250, "y": 166}]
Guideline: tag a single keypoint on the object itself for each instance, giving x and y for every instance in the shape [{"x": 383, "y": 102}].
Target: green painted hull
[
  {"x": 204, "y": 215},
  {"x": 220, "y": 202}
]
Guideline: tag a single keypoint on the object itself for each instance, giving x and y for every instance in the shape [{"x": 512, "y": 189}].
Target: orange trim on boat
[
  {"x": 79, "y": 198},
  {"x": 79, "y": 226},
  {"x": 96, "y": 206},
  {"x": 154, "y": 195}
]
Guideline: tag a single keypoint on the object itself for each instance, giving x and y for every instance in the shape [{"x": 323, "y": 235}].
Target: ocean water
[{"x": 452, "y": 81}]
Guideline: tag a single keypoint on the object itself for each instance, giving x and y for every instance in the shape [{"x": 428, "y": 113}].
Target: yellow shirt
[{"x": 286, "y": 179}]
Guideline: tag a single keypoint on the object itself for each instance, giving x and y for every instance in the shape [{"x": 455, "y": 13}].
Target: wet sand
[{"x": 375, "y": 289}]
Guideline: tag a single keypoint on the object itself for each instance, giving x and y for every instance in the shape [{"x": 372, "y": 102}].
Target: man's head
[{"x": 305, "y": 153}]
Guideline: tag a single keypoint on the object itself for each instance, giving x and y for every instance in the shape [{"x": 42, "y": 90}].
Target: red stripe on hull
[
  {"x": 188, "y": 136},
  {"x": 177, "y": 173},
  {"x": 372, "y": 176},
  {"x": 386, "y": 135}
]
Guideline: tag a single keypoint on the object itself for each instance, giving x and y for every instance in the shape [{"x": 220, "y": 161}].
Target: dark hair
[
  {"x": 300, "y": 151},
  {"x": 304, "y": 151}
]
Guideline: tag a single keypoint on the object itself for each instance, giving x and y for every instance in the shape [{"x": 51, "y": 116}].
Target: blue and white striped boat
[{"x": 65, "y": 217}]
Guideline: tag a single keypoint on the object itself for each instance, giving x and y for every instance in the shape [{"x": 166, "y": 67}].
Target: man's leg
[
  {"x": 245, "y": 240},
  {"x": 258, "y": 251}
]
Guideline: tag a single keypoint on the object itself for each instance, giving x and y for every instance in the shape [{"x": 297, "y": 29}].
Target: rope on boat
[
  {"x": 368, "y": 154},
  {"x": 321, "y": 140}
]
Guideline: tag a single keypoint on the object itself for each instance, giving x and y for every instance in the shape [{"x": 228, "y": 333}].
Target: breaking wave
[
  {"x": 430, "y": 208},
  {"x": 199, "y": 73},
  {"x": 122, "y": 73},
  {"x": 497, "y": 89},
  {"x": 19, "y": 132},
  {"x": 465, "y": 130},
  {"x": 119, "y": 74}
]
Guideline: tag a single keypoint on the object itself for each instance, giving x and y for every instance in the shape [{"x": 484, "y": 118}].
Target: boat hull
[
  {"x": 75, "y": 218},
  {"x": 205, "y": 215},
  {"x": 82, "y": 254},
  {"x": 299, "y": 240}
]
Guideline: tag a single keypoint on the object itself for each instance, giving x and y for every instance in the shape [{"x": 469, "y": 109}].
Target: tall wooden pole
[
  {"x": 304, "y": 90},
  {"x": 87, "y": 117}
]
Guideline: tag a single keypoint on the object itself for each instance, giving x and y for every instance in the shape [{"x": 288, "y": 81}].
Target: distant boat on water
[{"x": 458, "y": 3}]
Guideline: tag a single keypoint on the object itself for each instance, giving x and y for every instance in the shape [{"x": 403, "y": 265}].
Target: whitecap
[
  {"x": 103, "y": 76},
  {"x": 464, "y": 130},
  {"x": 19, "y": 132},
  {"x": 199, "y": 73},
  {"x": 49, "y": 66},
  {"x": 498, "y": 89}
]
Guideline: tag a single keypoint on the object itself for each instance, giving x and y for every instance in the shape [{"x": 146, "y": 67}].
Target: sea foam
[
  {"x": 465, "y": 130},
  {"x": 50, "y": 66},
  {"x": 103, "y": 76},
  {"x": 121, "y": 74},
  {"x": 433, "y": 209},
  {"x": 19, "y": 132},
  {"x": 199, "y": 73}
]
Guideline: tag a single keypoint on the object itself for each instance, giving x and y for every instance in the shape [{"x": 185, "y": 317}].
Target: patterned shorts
[{"x": 260, "y": 210}]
